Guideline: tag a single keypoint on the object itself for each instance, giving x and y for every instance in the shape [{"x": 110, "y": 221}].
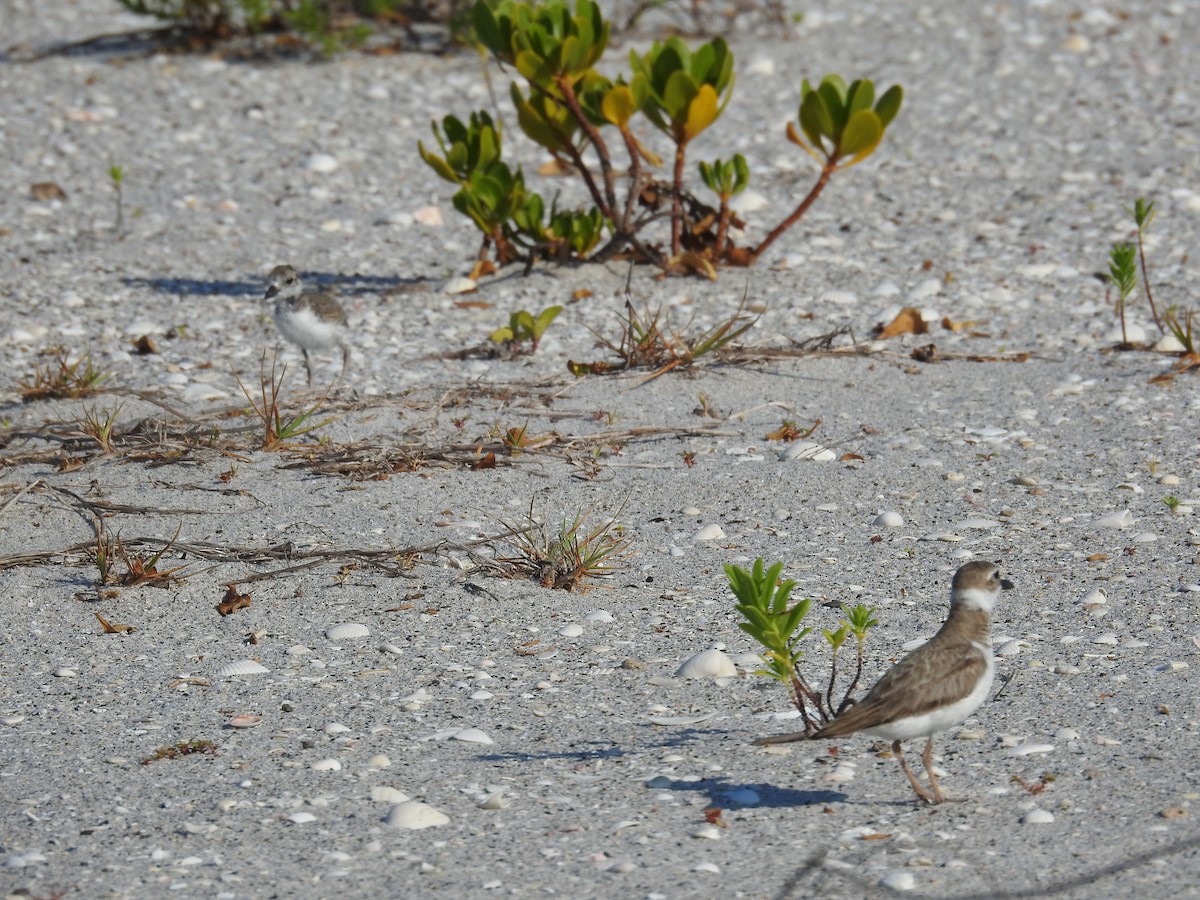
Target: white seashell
[
  {"x": 472, "y": 736},
  {"x": 979, "y": 523},
  {"x": 889, "y": 519},
  {"x": 1066, "y": 734},
  {"x": 749, "y": 202},
  {"x": 391, "y": 648},
  {"x": 1010, "y": 648},
  {"x": 945, "y": 536},
  {"x": 413, "y": 814},
  {"x": 1107, "y": 638},
  {"x": 1129, "y": 486},
  {"x": 570, "y": 631},
  {"x": 381, "y": 793},
  {"x": 1029, "y": 749},
  {"x": 241, "y": 667},
  {"x": 322, "y": 163},
  {"x": 494, "y": 800},
  {"x": 1120, "y": 519},
  {"x": 1094, "y": 597},
  {"x": 709, "y": 533},
  {"x": 806, "y": 450},
  {"x": 301, "y": 818},
  {"x": 379, "y": 761},
  {"x": 1168, "y": 343},
  {"x": 482, "y": 695},
  {"x": 927, "y": 288},
  {"x": 459, "y": 286},
  {"x": 841, "y": 298},
  {"x": 347, "y": 631},
  {"x": 1144, "y": 537},
  {"x": 708, "y": 832},
  {"x": 681, "y": 720},
  {"x": 245, "y": 720},
  {"x": 64, "y": 673},
  {"x": 899, "y": 880},
  {"x": 336, "y": 728},
  {"x": 707, "y": 664},
  {"x": 599, "y": 615},
  {"x": 1038, "y": 817},
  {"x": 838, "y": 775},
  {"x": 327, "y": 765}
]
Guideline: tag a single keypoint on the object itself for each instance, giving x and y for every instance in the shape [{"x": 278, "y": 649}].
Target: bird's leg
[
  {"x": 307, "y": 364},
  {"x": 927, "y": 758},
  {"x": 345, "y": 363},
  {"x": 912, "y": 779}
]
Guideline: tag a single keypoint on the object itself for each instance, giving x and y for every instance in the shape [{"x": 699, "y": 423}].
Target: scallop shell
[
  {"x": 347, "y": 631},
  {"x": 889, "y": 519},
  {"x": 413, "y": 814},
  {"x": 707, "y": 664},
  {"x": 709, "y": 533},
  {"x": 381, "y": 793},
  {"x": 806, "y": 450},
  {"x": 1120, "y": 519},
  {"x": 472, "y": 736},
  {"x": 241, "y": 667}
]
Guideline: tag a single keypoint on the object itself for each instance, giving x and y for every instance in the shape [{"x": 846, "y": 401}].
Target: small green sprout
[
  {"x": 117, "y": 176},
  {"x": 524, "y": 327},
  {"x": 763, "y": 601}
]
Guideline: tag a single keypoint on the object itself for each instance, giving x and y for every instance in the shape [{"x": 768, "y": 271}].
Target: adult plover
[
  {"x": 311, "y": 321},
  {"x": 933, "y": 688}
]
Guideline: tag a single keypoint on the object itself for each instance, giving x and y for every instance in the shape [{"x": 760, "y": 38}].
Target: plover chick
[
  {"x": 935, "y": 687},
  {"x": 311, "y": 321}
]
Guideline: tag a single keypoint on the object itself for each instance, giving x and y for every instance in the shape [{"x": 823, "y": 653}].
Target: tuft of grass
[
  {"x": 278, "y": 429},
  {"x": 566, "y": 556},
  {"x": 60, "y": 378},
  {"x": 139, "y": 570},
  {"x": 100, "y": 426},
  {"x": 645, "y": 342}
]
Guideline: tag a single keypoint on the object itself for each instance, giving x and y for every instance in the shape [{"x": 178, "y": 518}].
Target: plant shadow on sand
[{"x": 255, "y": 285}]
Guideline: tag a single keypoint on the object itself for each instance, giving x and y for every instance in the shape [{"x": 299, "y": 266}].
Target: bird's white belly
[
  {"x": 301, "y": 326},
  {"x": 936, "y": 720}
]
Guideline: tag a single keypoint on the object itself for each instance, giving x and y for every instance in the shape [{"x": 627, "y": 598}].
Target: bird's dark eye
[{"x": 291, "y": 280}]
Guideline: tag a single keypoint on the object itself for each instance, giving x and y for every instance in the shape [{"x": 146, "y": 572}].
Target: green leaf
[
  {"x": 677, "y": 96},
  {"x": 861, "y": 136},
  {"x": 889, "y": 105},
  {"x": 832, "y": 100},
  {"x": 815, "y": 120},
  {"x": 439, "y": 165},
  {"x": 860, "y": 96},
  {"x": 741, "y": 173}
]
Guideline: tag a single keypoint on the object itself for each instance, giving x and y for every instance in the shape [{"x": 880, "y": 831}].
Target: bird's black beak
[
  {"x": 1006, "y": 585},
  {"x": 271, "y": 292}
]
